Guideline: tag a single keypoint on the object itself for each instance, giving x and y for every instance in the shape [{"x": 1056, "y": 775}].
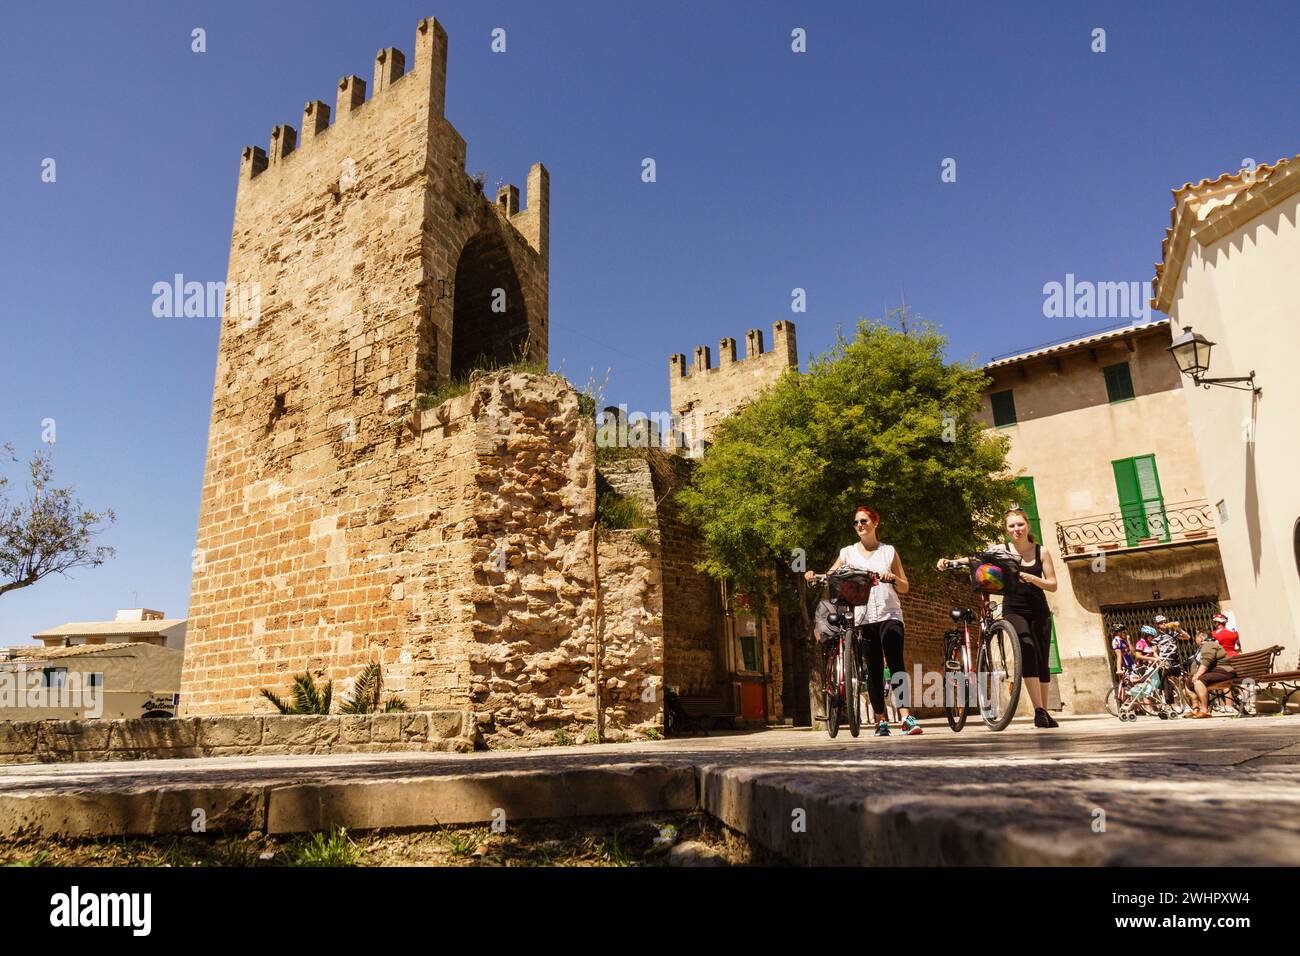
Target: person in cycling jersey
[
  {"x": 1228, "y": 639},
  {"x": 1168, "y": 650},
  {"x": 881, "y": 620},
  {"x": 1144, "y": 649},
  {"x": 1119, "y": 645},
  {"x": 1025, "y": 608}
]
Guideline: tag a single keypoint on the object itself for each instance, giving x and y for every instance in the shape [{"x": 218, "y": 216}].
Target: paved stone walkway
[{"x": 1161, "y": 790}]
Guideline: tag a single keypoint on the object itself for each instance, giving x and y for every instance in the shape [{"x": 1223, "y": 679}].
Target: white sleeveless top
[{"x": 883, "y": 604}]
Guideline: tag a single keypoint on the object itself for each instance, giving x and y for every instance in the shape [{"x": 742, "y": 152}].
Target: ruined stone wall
[
  {"x": 527, "y": 598},
  {"x": 704, "y": 395},
  {"x": 333, "y": 530},
  {"x": 632, "y": 635}
]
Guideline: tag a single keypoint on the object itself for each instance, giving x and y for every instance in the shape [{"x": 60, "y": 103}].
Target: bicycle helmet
[
  {"x": 1118, "y": 628},
  {"x": 1149, "y": 631}
]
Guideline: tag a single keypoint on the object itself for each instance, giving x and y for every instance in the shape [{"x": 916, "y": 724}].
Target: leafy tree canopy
[{"x": 881, "y": 419}]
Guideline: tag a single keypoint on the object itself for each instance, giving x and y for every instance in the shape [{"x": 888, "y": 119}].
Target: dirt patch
[{"x": 676, "y": 839}]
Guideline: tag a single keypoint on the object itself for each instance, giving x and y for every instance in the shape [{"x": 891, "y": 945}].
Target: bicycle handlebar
[{"x": 820, "y": 579}]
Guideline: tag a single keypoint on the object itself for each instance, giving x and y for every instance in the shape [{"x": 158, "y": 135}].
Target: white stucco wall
[{"x": 1243, "y": 293}]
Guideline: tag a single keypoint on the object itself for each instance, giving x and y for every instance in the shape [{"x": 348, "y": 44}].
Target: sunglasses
[{"x": 858, "y": 521}]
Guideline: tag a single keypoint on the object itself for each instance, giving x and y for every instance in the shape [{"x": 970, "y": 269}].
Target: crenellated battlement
[
  {"x": 703, "y": 394},
  {"x": 430, "y": 69},
  {"x": 783, "y": 349}
]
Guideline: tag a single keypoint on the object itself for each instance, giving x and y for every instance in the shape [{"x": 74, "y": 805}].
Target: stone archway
[{"x": 489, "y": 325}]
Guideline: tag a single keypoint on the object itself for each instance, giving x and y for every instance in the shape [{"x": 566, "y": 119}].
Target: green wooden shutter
[
  {"x": 1153, "y": 501},
  {"x": 1004, "y": 408},
  {"x": 1054, "y": 659},
  {"x": 1119, "y": 382},
  {"x": 1028, "y": 500},
  {"x": 1141, "y": 502},
  {"x": 1132, "y": 514}
]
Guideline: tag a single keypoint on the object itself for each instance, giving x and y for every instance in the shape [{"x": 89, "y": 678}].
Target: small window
[
  {"x": 1119, "y": 382},
  {"x": 1004, "y": 408},
  {"x": 94, "y": 679},
  {"x": 56, "y": 677}
]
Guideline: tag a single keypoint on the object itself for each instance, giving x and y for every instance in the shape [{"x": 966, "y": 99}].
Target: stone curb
[
  {"x": 361, "y": 805},
  {"x": 839, "y": 829},
  {"x": 608, "y": 791}
]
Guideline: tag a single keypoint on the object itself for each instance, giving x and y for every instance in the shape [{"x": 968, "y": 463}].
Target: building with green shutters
[{"x": 1109, "y": 475}]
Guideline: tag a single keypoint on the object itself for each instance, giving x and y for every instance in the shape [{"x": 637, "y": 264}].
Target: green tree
[
  {"x": 881, "y": 419},
  {"x": 48, "y": 531}
]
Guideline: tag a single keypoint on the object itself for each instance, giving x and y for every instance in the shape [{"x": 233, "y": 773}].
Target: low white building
[{"x": 130, "y": 626}]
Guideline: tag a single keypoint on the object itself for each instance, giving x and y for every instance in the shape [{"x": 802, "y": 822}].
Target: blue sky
[{"x": 775, "y": 170}]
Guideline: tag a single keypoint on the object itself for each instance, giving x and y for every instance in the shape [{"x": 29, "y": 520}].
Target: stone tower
[
  {"x": 336, "y": 518},
  {"x": 703, "y": 395}
]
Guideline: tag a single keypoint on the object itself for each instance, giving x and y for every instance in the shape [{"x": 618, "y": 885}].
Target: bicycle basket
[
  {"x": 994, "y": 575},
  {"x": 852, "y": 588}
]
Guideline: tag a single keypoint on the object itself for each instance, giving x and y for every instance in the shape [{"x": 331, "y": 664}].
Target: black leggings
[
  {"x": 882, "y": 642},
  {"x": 1035, "y": 643}
]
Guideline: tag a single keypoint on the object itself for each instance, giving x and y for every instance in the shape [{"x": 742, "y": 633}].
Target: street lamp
[{"x": 1191, "y": 351}]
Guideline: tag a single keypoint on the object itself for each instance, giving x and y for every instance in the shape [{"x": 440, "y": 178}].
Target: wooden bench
[
  {"x": 698, "y": 711},
  {"x": 1256, "y": 667},
  {"x": 1288, "y": 681}
]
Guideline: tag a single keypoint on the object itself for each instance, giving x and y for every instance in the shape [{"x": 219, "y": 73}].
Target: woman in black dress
[{"x": 1025, "y": 608}]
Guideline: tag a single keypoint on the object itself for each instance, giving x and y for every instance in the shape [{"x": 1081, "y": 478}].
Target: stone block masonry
[{"x": 81, "y": 741}]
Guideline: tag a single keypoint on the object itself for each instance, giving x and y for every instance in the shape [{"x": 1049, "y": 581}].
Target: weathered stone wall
[
  {"x": 333, "y": 529},
  {"x": 631, "y": 479},
  {"x": 925, "y": 618},
  {"x": 529, "y": 605},
  {"x": 704, "y": 395},
  {"x": 692, "y": 600},
  {"x": 56, "y": 741},
  {"x": 632, "y": 634}
]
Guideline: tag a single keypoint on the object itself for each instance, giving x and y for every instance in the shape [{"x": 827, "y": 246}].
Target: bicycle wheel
[
  {"x": 1111, "y": 707},
  {"x": 1172, "y": 685},
  {"x": 956, "y": 665},
  {"x": 831, "y": 694},
  {"x": 852, "y": 698},
  {"x": 999, "y": 675}
]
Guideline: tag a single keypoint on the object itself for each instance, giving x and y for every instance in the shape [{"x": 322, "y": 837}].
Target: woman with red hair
[{"x": 880, "y": 621}]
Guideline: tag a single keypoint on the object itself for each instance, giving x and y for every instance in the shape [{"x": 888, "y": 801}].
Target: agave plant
[
  {"x": 367, "y": 692},
  {"x": 306, "y": 697}
]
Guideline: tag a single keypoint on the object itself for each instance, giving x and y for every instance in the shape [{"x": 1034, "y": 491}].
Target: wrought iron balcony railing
[{"x": 1146, "y": 525}]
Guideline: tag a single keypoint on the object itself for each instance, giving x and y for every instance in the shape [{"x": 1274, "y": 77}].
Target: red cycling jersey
[{"x": 1229, "y": 639}]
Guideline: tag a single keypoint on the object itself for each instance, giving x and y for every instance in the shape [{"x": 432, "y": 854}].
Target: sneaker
[
  {"x": 910, "y": 726},
  {"x": 882, "y": 728},
  {"x": 1043, "y": 719}
]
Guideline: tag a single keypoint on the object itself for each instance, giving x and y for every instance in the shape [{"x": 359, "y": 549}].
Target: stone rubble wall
[
  {"x": 528, "y": 598},
  {"x": 60, "y": 741},
  {"x": 632, "y": 635}
]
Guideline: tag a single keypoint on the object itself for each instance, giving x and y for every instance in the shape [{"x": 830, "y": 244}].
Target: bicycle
[
  {"x": 841, "y": 672},
  {"x": 994, "y": 648}
]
